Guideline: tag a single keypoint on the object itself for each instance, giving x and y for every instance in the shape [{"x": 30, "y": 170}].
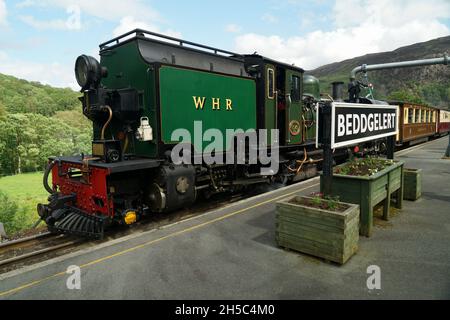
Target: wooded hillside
[{"x": 38, "y": 121}]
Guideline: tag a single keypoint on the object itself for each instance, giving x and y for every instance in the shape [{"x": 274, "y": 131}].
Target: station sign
[{"x": 356, "y": 123}]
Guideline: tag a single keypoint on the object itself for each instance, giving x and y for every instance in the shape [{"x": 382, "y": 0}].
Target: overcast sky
[{"x": 40, "y": 40}]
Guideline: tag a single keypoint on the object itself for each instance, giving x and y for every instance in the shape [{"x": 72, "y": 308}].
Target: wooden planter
[
  {"x": 330, "y": 235},
  {"x": 368, "y": 191},
  {"x": 412, "y": 184}
]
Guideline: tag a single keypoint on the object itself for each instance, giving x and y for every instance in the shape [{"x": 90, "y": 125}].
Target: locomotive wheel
[{"x": 156, "y": 198}]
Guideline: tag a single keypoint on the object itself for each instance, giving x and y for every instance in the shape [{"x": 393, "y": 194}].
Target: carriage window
[
  {"x": 429, "y": 116},
  {"x": 270, "y": 83},
  {"x": 434, "y": 116},
  {"x": 405, "y": 116},
  {"x": 424, "y": 116},
  {"x": 295, "y": 91},
  {"x": 416, "y": 115},
  {"x": 410, "y": 115}
]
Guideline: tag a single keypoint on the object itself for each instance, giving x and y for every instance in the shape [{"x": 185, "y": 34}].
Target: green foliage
[
  {"x": 73, "y": 118},
  {"x": 363, "y": 167},
  {"x": 318, "y": 200},
  {"x": 21, "y": 96},
  {"x": 38, "y": 121},
  {"x": 8, "y": 210},
  {"x": 27, "y": 140},
  {"x": 436, "y": 93},
  {"x": 2, "y": 111},
  {"x": 23, "y": 191},
  {"x": 332, "y": 202},
  {"x": 406, "y": 96}
]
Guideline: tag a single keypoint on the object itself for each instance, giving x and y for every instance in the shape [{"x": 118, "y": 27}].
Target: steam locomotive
[{"x": 148, "y": 91}]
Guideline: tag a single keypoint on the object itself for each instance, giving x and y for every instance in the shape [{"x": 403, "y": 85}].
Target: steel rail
[
  {"x": 23, "y": 240},
  {"x": 38, "y": 252}
]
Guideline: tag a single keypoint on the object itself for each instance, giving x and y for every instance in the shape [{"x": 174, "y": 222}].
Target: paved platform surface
[{"x": 231, "y": 254}]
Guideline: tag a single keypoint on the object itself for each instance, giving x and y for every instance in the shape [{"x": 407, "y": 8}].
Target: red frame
[{"x": 90, "y": 194}]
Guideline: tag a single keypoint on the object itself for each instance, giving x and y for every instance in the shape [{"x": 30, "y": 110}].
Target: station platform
[{"x": 230, "y": 253}]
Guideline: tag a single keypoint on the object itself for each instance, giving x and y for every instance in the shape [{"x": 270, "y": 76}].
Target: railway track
[{"x": 17, "y": 253}]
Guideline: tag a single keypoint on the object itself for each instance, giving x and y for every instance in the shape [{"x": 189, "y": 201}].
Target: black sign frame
[
  {"x": 385, "y": 109},
  {"x": 360, "y": 109}
]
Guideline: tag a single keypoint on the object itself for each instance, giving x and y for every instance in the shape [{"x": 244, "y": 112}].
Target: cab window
[
  {"x": 270, "y": 83},
  {"x": 295, "y": 90}
]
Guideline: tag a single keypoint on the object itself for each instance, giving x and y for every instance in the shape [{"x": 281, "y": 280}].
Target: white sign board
[{"x": 353, "y": 123}]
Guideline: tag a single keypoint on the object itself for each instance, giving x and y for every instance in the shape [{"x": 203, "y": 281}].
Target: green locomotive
[{"x": 147, "y": 93}]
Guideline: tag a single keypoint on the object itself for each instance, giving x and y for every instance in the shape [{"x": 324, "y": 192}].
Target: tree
[
  {"x": 406, "y": 96},
  {"x": 2, "y": 111},
  {"x": 8, "y": 211},
  {"x": 27, "y": 140}
]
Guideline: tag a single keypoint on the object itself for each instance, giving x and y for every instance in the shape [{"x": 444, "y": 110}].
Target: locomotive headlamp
[{"x": 88, "y": 71}]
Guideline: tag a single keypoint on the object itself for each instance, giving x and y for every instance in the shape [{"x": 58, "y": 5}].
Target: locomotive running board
[{"x": 78, "y": 223}]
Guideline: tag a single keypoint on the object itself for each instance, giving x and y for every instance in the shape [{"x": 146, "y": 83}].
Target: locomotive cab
[{"x": 280, "y": 100}]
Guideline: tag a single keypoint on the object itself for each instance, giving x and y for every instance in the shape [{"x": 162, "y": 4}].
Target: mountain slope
[
  {"x": 430, "y": 84},
  {"x": 21, "y": 96}
]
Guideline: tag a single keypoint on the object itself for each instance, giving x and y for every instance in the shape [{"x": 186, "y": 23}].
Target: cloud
[
  {"x": 3, "y": 13},
  {"x": 54, "y": 74},
  {"x": 111, "y": 10},
  {"x": 23, "y": 43},
  {"x": 349, "y": 13},
  {"x": 361, "y": 27},
  {"x": 267, "y": 17},
  {"x": 233, "y": 28},
  {"x": 72, "y": 23},
  {"x": 129, "y": 23},
  {"x": 3, "y": 56},
  {"x": 123, "y": 12},
  {"x": 116, "y": 11}
]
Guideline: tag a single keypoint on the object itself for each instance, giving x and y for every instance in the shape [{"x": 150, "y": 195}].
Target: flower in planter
[
  {"x": 316, "y": 194},
  {"x": 364, "y": 167}
]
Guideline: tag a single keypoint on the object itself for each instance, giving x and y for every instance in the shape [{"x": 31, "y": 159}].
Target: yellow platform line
[{"x": 231, "y": 214}]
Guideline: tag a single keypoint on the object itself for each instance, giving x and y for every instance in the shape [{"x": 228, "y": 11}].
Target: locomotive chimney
[{"x": 338, "y": 91}]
